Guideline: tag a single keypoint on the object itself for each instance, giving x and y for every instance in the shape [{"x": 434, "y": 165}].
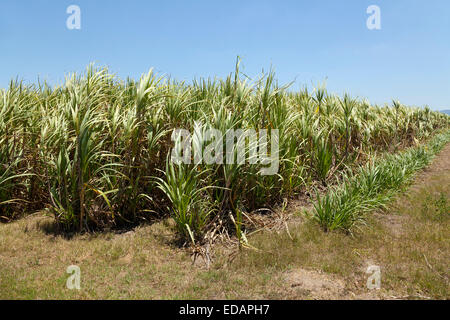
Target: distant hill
[{"x": 445, "y": 111}]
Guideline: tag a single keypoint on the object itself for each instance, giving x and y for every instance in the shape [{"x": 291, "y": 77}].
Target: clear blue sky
[{"x": 307, "y": 41}]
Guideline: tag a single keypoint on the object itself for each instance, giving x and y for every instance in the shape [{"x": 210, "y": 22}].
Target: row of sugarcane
[{"x": 95, "y": 151}]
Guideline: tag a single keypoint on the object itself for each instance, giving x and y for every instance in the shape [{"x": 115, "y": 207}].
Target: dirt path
[{"x": 439, "y": 166}]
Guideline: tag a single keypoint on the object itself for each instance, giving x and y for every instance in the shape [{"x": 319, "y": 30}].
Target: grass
[
  {"x": 408, "y": 240},
  {"x": 344, "y": 206}
]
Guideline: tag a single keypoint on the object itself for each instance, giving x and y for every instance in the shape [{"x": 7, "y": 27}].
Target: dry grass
[{"x": 140, "y": 264}]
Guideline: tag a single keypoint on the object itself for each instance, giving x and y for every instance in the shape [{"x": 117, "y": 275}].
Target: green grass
[{"x": 372, "y": 186}]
